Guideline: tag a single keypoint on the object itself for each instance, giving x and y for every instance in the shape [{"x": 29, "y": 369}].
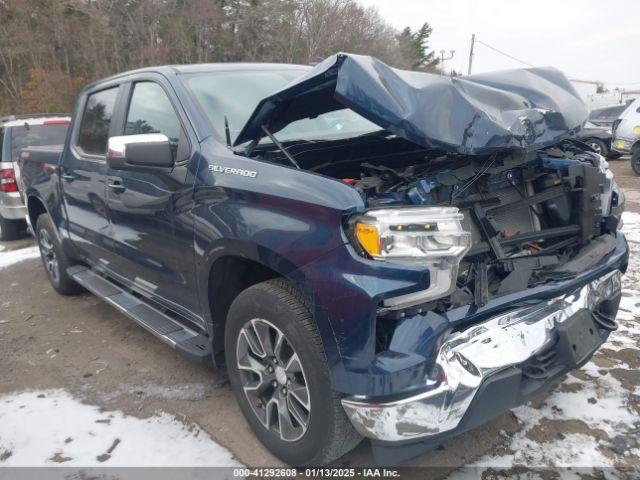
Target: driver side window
[{"x": 150, "y": 111}]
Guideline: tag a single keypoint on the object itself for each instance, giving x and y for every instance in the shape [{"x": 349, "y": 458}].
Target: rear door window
[{"x": 96, "y": 121}]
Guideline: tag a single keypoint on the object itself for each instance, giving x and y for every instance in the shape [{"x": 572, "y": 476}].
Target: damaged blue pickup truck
[{"x": 369, "y": 252}]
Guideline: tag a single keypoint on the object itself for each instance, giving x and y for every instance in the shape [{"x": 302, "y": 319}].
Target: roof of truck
[
  {"x": 39, "y": 119},
  {"x": 203, "y": 68},
  {"x": 209, "y": 67}
]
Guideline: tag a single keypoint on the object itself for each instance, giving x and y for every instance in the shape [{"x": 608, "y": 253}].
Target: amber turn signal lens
[{"x": 368, "y": 237}]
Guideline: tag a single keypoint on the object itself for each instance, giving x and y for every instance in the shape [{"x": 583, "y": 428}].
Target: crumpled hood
[{"x": 522, "y": 109}]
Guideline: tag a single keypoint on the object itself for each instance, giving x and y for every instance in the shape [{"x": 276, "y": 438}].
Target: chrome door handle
[
  {"x": 68, "y": 178},
  {"x": 116, "y": 187}
]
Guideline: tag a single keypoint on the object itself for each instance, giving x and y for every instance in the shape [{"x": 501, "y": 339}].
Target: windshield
[
  {"x": 632, "y": 107},
  {"x": 36, "y": 136},
  {"x": 236, "y": 95}
]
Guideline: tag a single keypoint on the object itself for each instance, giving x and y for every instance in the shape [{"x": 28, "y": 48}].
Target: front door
[
  {"x": 150, "y": 211},
  {"x": 83, "y": 174}
]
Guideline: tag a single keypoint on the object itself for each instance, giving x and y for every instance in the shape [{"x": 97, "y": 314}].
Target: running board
[{"x": 185, "y": 341}]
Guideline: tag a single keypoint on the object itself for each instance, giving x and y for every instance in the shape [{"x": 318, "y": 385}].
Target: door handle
[
  {"x": 68, "y": 178},
  {"x": 116, "y": 187}
]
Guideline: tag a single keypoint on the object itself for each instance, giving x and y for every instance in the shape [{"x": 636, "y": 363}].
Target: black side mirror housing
[{"x": 140, "y": 152}]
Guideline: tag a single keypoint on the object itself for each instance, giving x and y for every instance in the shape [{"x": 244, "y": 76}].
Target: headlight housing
[
  {"x": 428, "y": 236},
  {"x": 412, "y": 235}
]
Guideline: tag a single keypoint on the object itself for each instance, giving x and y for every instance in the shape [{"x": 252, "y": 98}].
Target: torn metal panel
[{"x": 523, "y": 109}]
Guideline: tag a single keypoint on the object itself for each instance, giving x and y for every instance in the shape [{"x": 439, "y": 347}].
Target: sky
[{"x": 586, "y": 39}]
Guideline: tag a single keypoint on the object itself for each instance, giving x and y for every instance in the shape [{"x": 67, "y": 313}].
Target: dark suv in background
[{"x": 605, "y": 116}]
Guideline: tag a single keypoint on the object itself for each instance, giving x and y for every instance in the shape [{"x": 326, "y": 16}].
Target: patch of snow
[
  {"x": 631, "y": 226},
  {"x": 575, "y": 449},
  {"x": 601, "y": 406},
  {"x": 49, "y": 428},
  {"x": 601, "y": 403},
  {"x": 11, "y": 257}
]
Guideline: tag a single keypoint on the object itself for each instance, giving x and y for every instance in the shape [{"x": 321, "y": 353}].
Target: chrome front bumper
[{"x": 468, "y": 358}]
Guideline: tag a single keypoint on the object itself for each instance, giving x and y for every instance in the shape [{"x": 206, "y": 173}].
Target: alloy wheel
[
  {"x": 49, "y": 255},
  {"x": 596, "y": 147},
  {"x": 273, "y": 379}
]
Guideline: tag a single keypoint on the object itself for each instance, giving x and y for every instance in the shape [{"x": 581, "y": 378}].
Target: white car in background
[
  {"x": 16, "y": 133},
  {"x": 626, "y": 134}
]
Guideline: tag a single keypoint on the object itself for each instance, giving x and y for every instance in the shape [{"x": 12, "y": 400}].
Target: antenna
[{"x": 227, "y": 132}]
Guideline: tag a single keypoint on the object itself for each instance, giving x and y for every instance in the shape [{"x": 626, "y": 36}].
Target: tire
[
  {"x": 598, "y": 145},
  {"x": 11, "y": 229},
  {"x": 276, "y": 308},
  {"x": 54, "y": 259},
  {"x": 635, "y": 161}
]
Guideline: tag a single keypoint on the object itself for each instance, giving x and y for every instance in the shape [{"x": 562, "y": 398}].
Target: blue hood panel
[{"x": 523, "y": 109}]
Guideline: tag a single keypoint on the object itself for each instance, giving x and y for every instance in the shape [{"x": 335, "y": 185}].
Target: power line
[
  {"x": 504, "y": 53},
  {"x": 475, "y": 40}
]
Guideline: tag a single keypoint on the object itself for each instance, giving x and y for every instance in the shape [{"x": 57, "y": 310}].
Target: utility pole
[
  {"x": 442, "y": 58},
  {"x": 473, "y": 41}
]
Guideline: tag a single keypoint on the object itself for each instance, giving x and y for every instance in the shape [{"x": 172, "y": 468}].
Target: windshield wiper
[{"x": 277, "y": 143}]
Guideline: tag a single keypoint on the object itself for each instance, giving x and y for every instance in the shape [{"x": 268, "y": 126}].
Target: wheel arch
[
  {"x": 35, "y": 208},
  {"x": 228, "y": 276},
  {"x": 232, "y": 273}
]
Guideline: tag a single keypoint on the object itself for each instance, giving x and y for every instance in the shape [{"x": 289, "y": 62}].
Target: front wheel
[
  {"x": 54, "y": 259},
  {"x": 599, "y": 146},
  {"x": 635, "y": 161},
  {"x": 280, "y": 377}
]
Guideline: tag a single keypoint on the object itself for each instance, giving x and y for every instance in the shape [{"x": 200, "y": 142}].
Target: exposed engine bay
[{"x": 533, "y": 216}]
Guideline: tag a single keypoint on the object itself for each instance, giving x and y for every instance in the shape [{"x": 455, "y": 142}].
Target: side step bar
[{"x": 187, "y": 342}]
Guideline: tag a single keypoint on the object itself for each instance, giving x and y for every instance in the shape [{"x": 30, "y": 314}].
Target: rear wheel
[
  {"x": 280, "y": 376},
  {"x": 635, "y": 161},
  {"x": 11, "y": 229},
  {"x": 598, "y": 145},
  {"x": 54, "y": 259}
]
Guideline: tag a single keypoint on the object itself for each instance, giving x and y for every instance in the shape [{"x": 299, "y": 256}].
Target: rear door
[
  {"x": 83, "y": 175},
  {"x": 150, "y": 210}
]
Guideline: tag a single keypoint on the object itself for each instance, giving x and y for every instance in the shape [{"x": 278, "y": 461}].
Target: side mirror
[{"x": 140, "y": 152}]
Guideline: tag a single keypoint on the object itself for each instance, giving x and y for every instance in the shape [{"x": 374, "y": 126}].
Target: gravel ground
[{"x": 79, "y": 355}]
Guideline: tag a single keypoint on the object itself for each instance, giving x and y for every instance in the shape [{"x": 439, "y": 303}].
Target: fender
[{"x": 274, "y": 263}]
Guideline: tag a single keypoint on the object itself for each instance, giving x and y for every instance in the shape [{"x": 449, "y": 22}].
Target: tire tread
[{"x": 344, "y": 437}]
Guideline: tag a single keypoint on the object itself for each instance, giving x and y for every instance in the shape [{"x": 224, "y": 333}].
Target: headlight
[
  {"x": 413, "y": 235},
  {"x": 429, "y": 236}
]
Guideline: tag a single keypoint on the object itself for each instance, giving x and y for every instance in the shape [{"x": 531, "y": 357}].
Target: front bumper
[
  {"x": 528, "y": 346},
  {"x": 622, "y": 145}
]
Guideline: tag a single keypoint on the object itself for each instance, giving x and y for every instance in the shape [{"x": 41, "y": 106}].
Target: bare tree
[{"x": 49, "y": 48}]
